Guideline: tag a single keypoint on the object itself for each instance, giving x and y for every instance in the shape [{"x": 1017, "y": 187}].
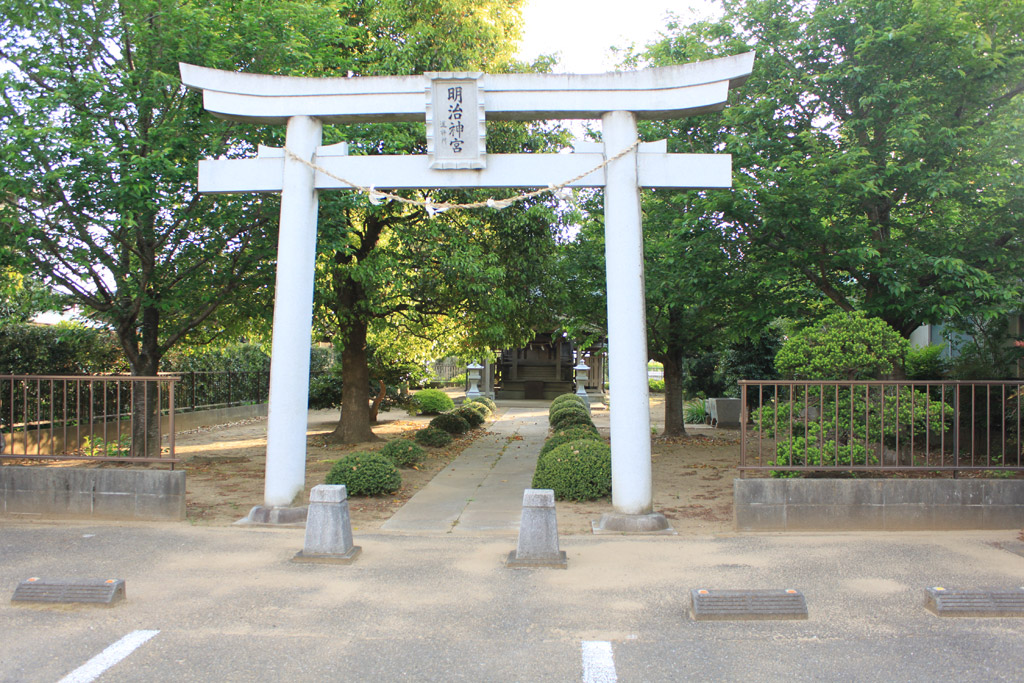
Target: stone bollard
[
  {"x": 538, "y": 533},
  {"x": 328, "y": 527}
]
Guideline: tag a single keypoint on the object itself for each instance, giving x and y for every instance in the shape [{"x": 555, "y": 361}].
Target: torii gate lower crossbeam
[{"x": 696, "y": 89}]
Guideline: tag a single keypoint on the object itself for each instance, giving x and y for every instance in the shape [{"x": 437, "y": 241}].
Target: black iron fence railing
[
  {"x": 208, "y": 390},
  {"x": 830, "y": 426}
]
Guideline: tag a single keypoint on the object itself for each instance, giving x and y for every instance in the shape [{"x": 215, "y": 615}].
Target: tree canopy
[
  {"x": 876, "y": 148},
  {"x": 99, "y": 145},
  {"x": 397, "y": 285}
]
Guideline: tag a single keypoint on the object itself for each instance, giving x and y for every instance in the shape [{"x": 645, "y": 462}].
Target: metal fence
[
  {"x": 220, "y": 389},
  {"x": 110, "y": 418},
  {"x": 827, "y": 426},
  {"x": 447, "y": 371}
]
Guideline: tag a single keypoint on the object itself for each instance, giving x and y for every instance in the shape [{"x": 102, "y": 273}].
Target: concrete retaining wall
[
  {"x": 877, "y": 504},
  {"x": 93, "y": 493},
  {"x": 217, "y": 416}
]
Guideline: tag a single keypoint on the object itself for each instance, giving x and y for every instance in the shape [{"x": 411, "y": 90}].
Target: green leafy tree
[
  {"x": 702, "y": 293},
  {"x": 22, "y": 297},
  {"x": 698, "y": 287},
  {"x": 876, "y": 148},
  {"x": 99, "y": 146},
  {"x": 397, "y": 286}
]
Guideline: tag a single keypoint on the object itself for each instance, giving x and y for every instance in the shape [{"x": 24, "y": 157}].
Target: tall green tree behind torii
[
  {"x": 877, "y": 148},
  {"x": 99, "y": 144},
  {"x": 390, "y": 276}
]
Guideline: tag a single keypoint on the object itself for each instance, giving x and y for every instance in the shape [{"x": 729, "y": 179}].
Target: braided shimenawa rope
[{"x": 376, "y": 196}]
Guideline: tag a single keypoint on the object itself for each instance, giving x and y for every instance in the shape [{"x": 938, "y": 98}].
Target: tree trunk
[
  {"x": 673, "y": 362},
  {"x": 382, "y": 391},
  {"x": 674, "y": 418},
  {"x": 144, "y": 360},
  {"x": 354, "y": 425}
]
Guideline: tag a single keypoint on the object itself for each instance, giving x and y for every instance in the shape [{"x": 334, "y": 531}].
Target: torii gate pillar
[
  {"x": 627, "y": 343},
  {"x": 293, "y": 318},
  {"x": 457, "y": 159}
]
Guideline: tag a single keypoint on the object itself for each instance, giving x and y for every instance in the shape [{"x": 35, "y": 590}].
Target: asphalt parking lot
[{"x": 226, "y": 604}]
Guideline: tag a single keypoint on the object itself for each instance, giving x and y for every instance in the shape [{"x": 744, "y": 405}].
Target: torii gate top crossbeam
[{"x": 656, "y": 93}]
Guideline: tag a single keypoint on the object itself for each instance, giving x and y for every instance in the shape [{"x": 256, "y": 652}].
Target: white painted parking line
[
  {"x": 598, "y": 662},
  {"x": 95, "y": 667}
]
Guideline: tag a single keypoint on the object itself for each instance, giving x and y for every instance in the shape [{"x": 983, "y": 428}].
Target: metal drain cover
[
  {"x": 711, "y": 605},
  {"x": 96, "y": 591},
  {"x": 984, "y": 602}
]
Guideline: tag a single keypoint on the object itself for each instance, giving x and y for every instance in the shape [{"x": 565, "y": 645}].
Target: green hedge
[
  {"x": 403, "y": 452},
  {"x": 491, "y": 405},
  {"x": 432, "y": 401},
  {"x": 567, "y": 418},
  {"x": 480, "y": 408},
  {"x": 564, "y": 400},
  {"x": 581, "y": 426},
  {"x": 433, "y": 437},
  {"x": 556, "y": 440},
  {"x": 228, "y": 358},
  {"x": 63, "y": 349},
  {"x": 451, "y": 423},
  {"x": 365, "y": 474},
  {"x": 474, "y": 418},
  {"x": 578, "y": 470}
]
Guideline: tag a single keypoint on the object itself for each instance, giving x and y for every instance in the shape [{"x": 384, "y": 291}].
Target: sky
[{"x": 582, "y": 31}]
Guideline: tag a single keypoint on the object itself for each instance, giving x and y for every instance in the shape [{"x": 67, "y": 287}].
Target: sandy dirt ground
[
  {"x": 224, "y": 464},
  {"x": 692, "y": 475}
]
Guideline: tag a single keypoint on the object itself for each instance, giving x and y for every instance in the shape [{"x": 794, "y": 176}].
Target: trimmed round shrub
[
  {"x": 569, "y": 407},
  {"x": 403, "y": 452},
  {"x": 846, "y": 346},
  {"x": 567, "y": 413},
  {"x": 451, "y": 423},
  {"x": 471, "y": 416},
  {"x": 578, "y": 470},
  {"x": 573, "y": 424},
  {"x": 432, "y": 401},
  {"x": 484, "y": 411},
  {"x": 365, "y": 474},
  {"x": 586, "y": 430},
  {"x": 565, "y": 400},
  {"x": 556, "y": 440},
  {"x": 433, "y": 437},
  {"x": 491, "y": 405}
]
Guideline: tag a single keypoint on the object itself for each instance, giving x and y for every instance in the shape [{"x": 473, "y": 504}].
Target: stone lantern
[
  {"x": 473, "y": 374},
  {"x": 582, "y": 371}
]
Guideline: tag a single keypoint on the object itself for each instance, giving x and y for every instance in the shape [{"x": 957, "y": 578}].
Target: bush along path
[
  {"x": 481, "y": 491},
  {"x": 574, "y": 461}
]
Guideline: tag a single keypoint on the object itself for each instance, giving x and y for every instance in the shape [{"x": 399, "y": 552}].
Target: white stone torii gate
[{"x": 455, "y": 107}]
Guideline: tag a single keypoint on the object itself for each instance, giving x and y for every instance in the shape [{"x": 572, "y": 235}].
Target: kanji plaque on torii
[
  {"x": 456, "y": 121},
  {"x": 455, "y": 111}
]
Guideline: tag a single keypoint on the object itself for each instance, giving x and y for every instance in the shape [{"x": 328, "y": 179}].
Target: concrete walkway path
[{"x": 481, "y": 491}]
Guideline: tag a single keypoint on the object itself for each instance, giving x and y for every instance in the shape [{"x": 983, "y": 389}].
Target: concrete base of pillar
[
  {"x": 619, "y": 523},
  {"x": 261, "y": 515},
  {"x": 557, "y": 562},
  {"x": 344, "y": 558}
]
